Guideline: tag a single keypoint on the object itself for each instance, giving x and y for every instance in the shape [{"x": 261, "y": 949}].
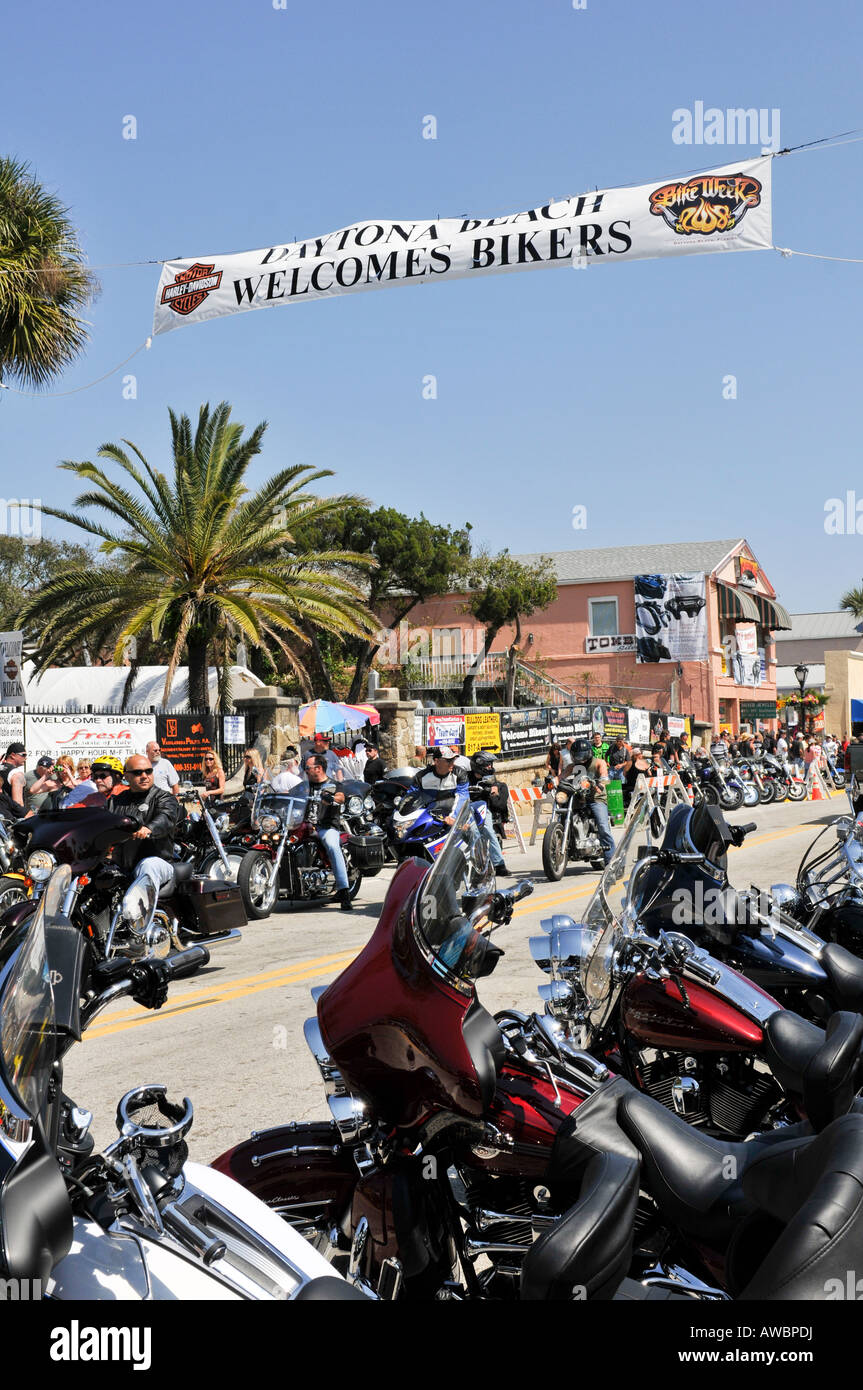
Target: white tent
[{"x": 75, "y": 688}]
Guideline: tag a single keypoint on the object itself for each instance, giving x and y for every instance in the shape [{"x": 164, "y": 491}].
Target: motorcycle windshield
[
  {"x": 451, "y": 906},
  {"x": 612, "y": 911},
  {"x": 289, "y": 808},
  {"x": 27, "y": 1005}
]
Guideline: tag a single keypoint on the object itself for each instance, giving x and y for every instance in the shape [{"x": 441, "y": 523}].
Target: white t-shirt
[
  {"x": 164, "y": 775},
  {"x": 285, "y": 781}
]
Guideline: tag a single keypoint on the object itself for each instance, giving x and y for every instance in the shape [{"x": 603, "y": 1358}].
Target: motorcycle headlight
[
  {"x": 355, "y": 806},
  {"x": 40, "y": 865},
  {"x": 270, "y": 824},
  {"x": 561, "y": 798},
  {"x": 369, "y": 804},
  {"x": 139, "y": 905},
  {"x": 222, "y": 822}
]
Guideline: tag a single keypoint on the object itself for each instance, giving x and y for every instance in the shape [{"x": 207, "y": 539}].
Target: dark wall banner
[
  {"x": 524, "y": 731},
  {"x": 725, "y": 209},
  {"x": 182, "y": 739},
  {"x": 568, "y": 721},
  {"x": 616, "y": 720}
]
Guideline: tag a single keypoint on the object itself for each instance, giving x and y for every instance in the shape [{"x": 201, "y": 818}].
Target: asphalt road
[{"x": 231, "y": 1037}]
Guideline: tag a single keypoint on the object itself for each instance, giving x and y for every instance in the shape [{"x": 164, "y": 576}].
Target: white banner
[
  {"x": 639, "y": 725},
  {"x": 11, "y": 728},
  {"x": 11, "y": 684},
  {"x": 87, "y": 735},
  {"x": 234, "y": 728},
  {"x": 671, "y": 617},
  {"x": 725, "y": 209}
]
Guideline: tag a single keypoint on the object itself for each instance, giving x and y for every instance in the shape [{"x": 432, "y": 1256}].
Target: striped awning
[
  {"x": 773, "y": 615},
  {"x": 741, "y": 606},
  {"x": 738, "y": 605}
]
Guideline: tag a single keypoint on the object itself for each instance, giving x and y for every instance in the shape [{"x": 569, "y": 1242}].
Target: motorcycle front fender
[{"x": 301, "y": 1171}]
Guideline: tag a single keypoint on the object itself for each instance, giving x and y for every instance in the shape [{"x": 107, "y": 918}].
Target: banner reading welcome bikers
[{"x": 726, "y": 209}]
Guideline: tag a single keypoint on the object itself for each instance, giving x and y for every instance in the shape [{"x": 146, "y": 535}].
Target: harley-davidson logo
[
  {"x": 191, "y": 287},
  {"x": 10, "y": 670},
  {"x": 706, "y": 204}
]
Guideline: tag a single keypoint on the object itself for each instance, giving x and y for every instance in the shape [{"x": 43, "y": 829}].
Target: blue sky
[{"x": 256, "y": 125}]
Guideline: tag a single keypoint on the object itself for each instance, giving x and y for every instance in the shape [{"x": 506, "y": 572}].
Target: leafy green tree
[
  {"x": 44, "y": 283},
  {"x": 503, "y": 592},
  {"x": 414, "y": 560},
  {"x": 195, "y": 560},
  {"x": 25, "y": 566}
]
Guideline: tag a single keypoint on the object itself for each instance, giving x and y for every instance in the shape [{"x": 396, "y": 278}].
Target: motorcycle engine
[{"x": 721, "y": 1092}]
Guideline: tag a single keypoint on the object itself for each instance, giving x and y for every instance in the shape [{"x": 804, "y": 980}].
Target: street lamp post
[{"x": 801, "y": 672}]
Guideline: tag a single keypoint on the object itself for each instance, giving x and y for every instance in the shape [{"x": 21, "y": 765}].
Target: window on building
[{"x": 603, "y": 617}]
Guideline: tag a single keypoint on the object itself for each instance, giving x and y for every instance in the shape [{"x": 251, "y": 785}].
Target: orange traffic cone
[{"x": 816, "y": 791}]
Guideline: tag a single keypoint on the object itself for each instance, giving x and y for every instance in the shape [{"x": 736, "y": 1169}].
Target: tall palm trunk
[{"x": 199, "y": 692}]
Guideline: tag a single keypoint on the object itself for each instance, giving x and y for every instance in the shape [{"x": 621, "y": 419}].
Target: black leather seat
[
  {"x": 818, "y": 1066},
  {"x": 845, "y": 973},
  {"x": 590, "y": 1248},
  {"x": 695, "y": 1179},
  {"x": 183, "y": 872},
  {"x": 817, "y": 1192}
]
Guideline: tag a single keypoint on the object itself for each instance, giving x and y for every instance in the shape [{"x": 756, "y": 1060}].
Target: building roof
[
  {"x": 787, "y": 681},
  {"x": 808, "y": 626},
  {"x": 625, "y": 561}
]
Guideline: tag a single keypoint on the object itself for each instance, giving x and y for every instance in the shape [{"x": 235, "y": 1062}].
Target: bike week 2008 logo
[
  {"x": 191, "y": 287},
  {"x": 706, "y": 204}
]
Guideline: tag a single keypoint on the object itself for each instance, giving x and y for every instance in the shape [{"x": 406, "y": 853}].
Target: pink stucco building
[{"x": 584, "y": 643}]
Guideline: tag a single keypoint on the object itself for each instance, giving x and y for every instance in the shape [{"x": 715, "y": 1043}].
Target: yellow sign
[{"x": 481, "y": 731}]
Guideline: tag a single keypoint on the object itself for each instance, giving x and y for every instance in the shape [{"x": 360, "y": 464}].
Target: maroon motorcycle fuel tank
[
  {"x": 656, "y": 1014},
  {"x": 393, "y": 1025}
]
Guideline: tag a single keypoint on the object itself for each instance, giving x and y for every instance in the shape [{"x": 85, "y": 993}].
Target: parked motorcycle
[
  {"x": 493, "y": 1158},
  {"x": 720, "y": 786},
  {"x": 571, "y": 832},
  {"x": 685, "y": 887},
  {"x": 677, "y": 1022},
  {"x": 752, "y": 788},
  {"x": 137, "y": 1221}
]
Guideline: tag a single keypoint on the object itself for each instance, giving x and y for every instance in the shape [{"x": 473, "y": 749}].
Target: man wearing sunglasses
[{"x": 150, "y": 851}]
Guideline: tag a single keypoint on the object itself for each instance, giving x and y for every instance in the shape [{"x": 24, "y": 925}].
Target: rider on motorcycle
[
  {"x": 497, "y": 800},
  {"x": 583, "y": 753},
  {"x": 150, "y": 850},
  {"x": 443, "y": 776},
  {"x": 328, "y": 824}
]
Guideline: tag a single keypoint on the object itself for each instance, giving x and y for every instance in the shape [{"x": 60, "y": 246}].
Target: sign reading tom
[
  {"x": 524, "y": 731},
  {"x": 671, "y": 617},
  {"x": 183, "y": 739}
]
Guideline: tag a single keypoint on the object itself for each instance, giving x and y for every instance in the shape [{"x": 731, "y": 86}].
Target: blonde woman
[
  {"x": 253, "y": 768},
  {"x": 213, "y": 774}
]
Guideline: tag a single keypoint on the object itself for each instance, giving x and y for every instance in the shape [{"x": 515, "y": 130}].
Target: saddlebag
[
  {"x": 368, "y": 853},
  {"x": 217, "y": 905}
]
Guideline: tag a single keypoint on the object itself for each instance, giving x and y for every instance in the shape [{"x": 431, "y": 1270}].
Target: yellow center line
[{"x": 329, "y": 965}]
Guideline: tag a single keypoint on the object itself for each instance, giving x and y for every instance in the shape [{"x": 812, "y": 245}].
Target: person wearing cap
[
  {"x": 13, "y": 781},
  {"x": 373, "y": 769},
  {"x": 444, "y": 776}
]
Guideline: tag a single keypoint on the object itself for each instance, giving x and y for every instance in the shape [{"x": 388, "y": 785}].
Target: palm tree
[
  {"x": 853, "y": 602},
  {"x": 43, "y": 281},
  {"x": 197, "y": 560}
]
